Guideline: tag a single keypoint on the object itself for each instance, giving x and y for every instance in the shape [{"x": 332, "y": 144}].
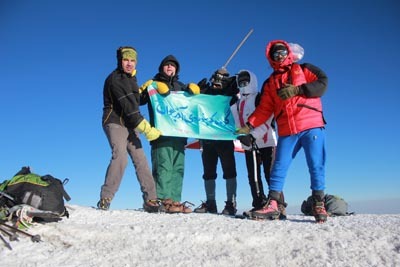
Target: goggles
[
  {"x": 279, "y": 54},
  {"x": 243, "y": 83},
  {"x": 218, "y": 79}
]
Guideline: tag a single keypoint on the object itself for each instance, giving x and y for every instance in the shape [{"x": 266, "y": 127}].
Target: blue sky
[{"x": 55, "y": 56}]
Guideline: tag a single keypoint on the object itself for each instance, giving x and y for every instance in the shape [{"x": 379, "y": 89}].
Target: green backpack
[
  {"x": 41, "y": 192},
  {"x": 335, "y": 206}
]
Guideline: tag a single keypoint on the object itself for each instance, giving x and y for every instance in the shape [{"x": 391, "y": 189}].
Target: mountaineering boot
[
  {"x": 318, "y": 209},
  {"x": 104, "y": 203},
  {"x": 257, "y": 205},
  {"x": 230, "y": 208},
  {"x": 170, "y": 206},
  {"x": 259, "y": 202},
  {"x": 185, "y": 207},
  {"x": 210, "y": 206},
  {"x": 151, "y": 205},
  {"x": 282, "y": 211},
  {"x": 269, "y": 211},
  {"x": 282, "y": 207},
  {"x": 165, "y": 204},
  {"x": 178, "y": 207}
]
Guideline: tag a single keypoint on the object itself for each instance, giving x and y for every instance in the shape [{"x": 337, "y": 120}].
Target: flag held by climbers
[{"x": 193, "y": 116}]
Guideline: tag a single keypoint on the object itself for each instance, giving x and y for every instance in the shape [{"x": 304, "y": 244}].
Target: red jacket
[{"x": 300, "y": 112}]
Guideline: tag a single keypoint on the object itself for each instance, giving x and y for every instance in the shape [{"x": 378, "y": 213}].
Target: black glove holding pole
[{"x": 246, "y": 140}]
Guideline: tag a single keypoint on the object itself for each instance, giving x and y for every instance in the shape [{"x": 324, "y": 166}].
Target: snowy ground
[{"x": 133, "y": 238}]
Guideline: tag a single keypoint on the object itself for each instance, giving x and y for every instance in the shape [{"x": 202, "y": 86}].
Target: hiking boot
[
  {"x": 282, "y": 207},
  {"x": 104, "y": 203},
  {"x": 230, "y": 208},
  {"x": 170, "y": 206},
  {"x": 319, "y": 211},
  {"x": 164, "y": 204},
  {"x": 282, "y": 211},
  {"x": 259, "y": 203},
  {"x": 174, "y": 207},
  {"x": 210, "y": 206},
  {"x": 185, "y": 207},
  {"x": 152, "y": 205},
  {"x": 269, "y": 211}
]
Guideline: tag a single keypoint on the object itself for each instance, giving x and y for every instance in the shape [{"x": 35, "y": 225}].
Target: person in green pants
[{"x": 168, "y": 152}]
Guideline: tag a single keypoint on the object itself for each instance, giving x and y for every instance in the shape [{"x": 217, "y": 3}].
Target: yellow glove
[
  {"x": 161, "y": 87},
  {"x": 144, "y": 86},
  {"x": 193, "y": 89},
  {"x": 150, "y": 132},
  {"x": 244, "y": 130}
]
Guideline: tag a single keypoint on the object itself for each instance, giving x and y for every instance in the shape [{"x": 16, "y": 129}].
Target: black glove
[
  {"x": 246, "y": 139},
  {"x": 288, "y": 91},
  {"x": 203, "y": 84},
  {"x": 232, "y": 85}
]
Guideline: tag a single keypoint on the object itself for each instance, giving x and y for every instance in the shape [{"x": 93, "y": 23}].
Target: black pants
[
  {"x": 264, "y": 158},
  {"x": 222, "y": 149}
]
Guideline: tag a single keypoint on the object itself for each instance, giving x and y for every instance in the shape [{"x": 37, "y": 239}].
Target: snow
[{"x": 91, "y": 237}]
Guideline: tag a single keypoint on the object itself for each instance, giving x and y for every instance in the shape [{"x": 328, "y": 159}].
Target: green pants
[{"x": 168, "y": 162}]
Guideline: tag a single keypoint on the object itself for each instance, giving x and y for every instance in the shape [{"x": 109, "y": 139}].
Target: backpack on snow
[
  {"x": 41, "y": 192},
  {"x": 335, "y": 206}
]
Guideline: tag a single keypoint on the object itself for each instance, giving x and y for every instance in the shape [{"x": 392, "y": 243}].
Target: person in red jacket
[{"x": 292, "y": 94}]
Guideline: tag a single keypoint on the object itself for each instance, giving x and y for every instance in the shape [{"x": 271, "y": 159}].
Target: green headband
[{"x": 129, "y": 53}]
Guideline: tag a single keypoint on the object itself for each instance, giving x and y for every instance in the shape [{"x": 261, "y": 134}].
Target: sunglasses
[
  {"x": 243, "y": 83},
  {"x": 280, "y": 53}
]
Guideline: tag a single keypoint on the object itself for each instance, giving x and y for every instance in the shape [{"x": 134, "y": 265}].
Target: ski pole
[
  {"x": 34, "y": 238},
  {"x": 237, "y": 48},
  {"x": 254, "y": 150},
  {"x": 12, "y": 236},
  {"x": 5, "y": 242}
]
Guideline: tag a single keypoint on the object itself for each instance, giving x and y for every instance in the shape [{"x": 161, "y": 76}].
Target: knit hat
[
  {"x": 125, "y": 52},
  {"x": 128, "y": 53}
]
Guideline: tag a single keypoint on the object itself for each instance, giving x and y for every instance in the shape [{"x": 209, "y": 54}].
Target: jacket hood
[
  {"x": 252, "y": 87},
  {"x": 279, "y": 66},
  {"x": 169, "y": 58}
]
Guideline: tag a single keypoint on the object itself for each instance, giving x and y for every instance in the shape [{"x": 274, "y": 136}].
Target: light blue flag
[{"x": 194, "y": 116}]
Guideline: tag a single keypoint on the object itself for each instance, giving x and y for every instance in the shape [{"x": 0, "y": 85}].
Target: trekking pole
[
  {"x": 237, "y": 48},
  {"x": 34, "y": 238},
  {"x": 5, "y": 242},
  {"x": 254, "y": 149},
  {"x": 11, "y": 236}
]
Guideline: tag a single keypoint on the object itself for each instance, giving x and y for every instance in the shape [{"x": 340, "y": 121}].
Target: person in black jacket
[
  {"x": 121, "y": 117},
  {"x": 168, "y": 152},
  {"x": 221, "y": 84}
]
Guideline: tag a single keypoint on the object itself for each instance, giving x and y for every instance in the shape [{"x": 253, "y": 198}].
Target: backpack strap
[
  {"x": 59, "y": 185},
  {"x": 65, "y": 194}
]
